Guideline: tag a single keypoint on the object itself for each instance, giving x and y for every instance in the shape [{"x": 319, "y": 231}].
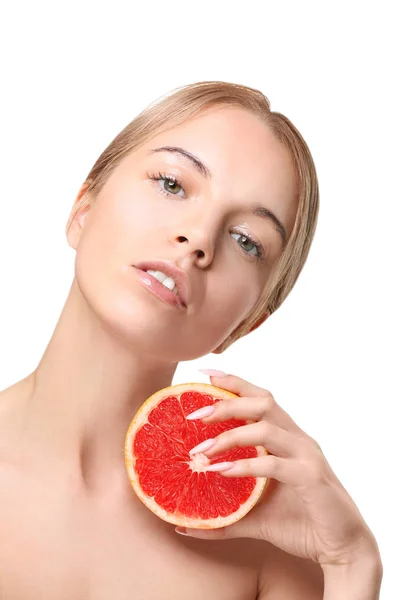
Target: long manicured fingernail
[
  {"x": 203, "y": 447},
  {"x": 222, "y": 466},
  {"x": 213, "y": 372},
  {"x": 181, "y": 530},
  {"x": 206, "y": 411}
]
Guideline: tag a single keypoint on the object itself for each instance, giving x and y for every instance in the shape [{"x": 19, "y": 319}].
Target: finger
[
  {"x": 284, "y": 470},
  {"x": 273, "y": 438},
  {"x": 256, "y": 408},
  {"x": 239, "y": 386}
]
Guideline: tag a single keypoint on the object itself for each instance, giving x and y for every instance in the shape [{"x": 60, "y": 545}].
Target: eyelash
[{"x": 174, "y": 181}]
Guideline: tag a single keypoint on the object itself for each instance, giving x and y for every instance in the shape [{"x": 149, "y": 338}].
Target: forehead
[
  {"x": 231, "y": 137},
  {"x": 246, "y": 160}
]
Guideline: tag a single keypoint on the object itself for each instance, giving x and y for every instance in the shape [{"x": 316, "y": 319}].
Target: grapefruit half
[{"x": 173, "y": 484}]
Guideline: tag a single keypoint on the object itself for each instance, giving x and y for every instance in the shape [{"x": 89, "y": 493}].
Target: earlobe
[
  {"x": 219, "y": 349},
  {"x": 260, "y": 321},
  {"x": 81, "y": 216},
  {"x": 77, "y": 224}
]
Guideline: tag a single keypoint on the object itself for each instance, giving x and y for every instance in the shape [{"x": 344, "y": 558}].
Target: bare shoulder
[
  {"x": 287, "y": 577},
  {"x": 8, "y": 395},
  {"x": 14, "y": 394},
  {"x": 12, "y": 401},
  {"x": 15, "y": 390},
  {"x": 8, "y": 398}
]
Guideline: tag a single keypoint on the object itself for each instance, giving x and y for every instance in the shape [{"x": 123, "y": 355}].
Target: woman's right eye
[{"x": 167, "y": 185}]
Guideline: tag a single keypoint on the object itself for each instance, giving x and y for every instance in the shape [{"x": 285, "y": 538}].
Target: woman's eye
[
  {"x": 248, "y": 245},
  {"x": 171, "y": 185}
]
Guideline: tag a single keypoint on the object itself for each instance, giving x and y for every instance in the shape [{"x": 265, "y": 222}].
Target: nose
[{"x": 196, "y": 243}]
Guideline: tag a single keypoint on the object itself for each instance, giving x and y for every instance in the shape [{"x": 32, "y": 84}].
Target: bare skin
[{"x": 71, "y": 525}]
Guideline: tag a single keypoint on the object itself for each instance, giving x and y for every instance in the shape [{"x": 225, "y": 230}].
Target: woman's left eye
[{"x": 250, "y": 246}]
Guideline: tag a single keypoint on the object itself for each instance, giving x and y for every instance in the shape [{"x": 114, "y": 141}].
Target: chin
[{"x": 139, "y": 321}]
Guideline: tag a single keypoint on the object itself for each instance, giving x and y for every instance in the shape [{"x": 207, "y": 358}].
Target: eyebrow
[
  {"x": 257, "y": 209},
  {"x": 201, "y": 167}
]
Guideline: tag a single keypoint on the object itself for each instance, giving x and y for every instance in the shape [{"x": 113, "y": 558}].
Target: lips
[{"x": 171, "y": 270}]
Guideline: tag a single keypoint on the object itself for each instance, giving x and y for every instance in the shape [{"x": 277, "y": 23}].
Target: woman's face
[{"x": 159, "y": 205}]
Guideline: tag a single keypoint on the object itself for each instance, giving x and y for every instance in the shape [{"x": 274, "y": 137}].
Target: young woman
[{"x": 212, "y": 189}]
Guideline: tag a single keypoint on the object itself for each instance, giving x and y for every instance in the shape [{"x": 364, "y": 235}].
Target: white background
[{"x": 74, "y": 74}]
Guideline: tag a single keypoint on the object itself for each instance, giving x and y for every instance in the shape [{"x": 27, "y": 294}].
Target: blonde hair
[{"x": 190, "y": 101}]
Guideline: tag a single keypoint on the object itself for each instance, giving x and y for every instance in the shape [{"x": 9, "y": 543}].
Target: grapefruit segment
[{"x": 172, "y": 483}]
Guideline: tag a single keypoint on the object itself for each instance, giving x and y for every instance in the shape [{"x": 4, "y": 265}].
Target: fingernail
[
  {"x": 213, "y": 372},
  {"x": 181, "y": 530},
  {"x": 203, "y": 447},
  {"x": 222, "y": 466},
  {"x": 206, "y": 411}
]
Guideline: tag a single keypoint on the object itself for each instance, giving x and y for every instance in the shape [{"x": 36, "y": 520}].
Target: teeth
[
  {"x": 169, "y": 283},
  {"x": 164, "y": 279},
  {"x": 157, "y": 275}
]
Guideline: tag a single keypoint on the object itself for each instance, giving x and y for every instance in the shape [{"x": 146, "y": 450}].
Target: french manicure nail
[
  {"x": 222, "y": 466},
  {"x": 206, "y": 411},
  {"x": 213, "y": 372},
  {"x": 203, "y": 447},
  {"x": 181, "y": 530}
]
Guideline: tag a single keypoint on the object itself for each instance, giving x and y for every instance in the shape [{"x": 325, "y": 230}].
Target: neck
[{"x": 82, "y": 396}]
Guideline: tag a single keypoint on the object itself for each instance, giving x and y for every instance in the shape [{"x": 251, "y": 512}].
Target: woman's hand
[{"x": 305, "y": 510}]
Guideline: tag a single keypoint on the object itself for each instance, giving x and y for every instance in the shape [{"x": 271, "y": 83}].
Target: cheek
[
  {"x": 225, "y": 307},
  {"x": 119, "y": 230},
  {"x": 230, "y": 302},
  {"x": 120, "y": 227}
]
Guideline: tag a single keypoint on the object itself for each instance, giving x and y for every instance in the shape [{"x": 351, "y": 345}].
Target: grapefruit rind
[{"x": 178, "y": 518}]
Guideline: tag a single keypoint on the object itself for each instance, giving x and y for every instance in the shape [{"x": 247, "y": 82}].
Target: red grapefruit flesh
[{"x": 173, "y": 484}]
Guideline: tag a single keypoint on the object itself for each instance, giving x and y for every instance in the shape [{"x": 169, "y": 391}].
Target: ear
[
  {"x": 219, "y": 349},
  {"x": 76, "y": 227},
  {"x": 260, "y": 321}
]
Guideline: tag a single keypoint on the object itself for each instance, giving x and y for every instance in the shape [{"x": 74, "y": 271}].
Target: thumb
[{"x": 244, "y": 528}]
